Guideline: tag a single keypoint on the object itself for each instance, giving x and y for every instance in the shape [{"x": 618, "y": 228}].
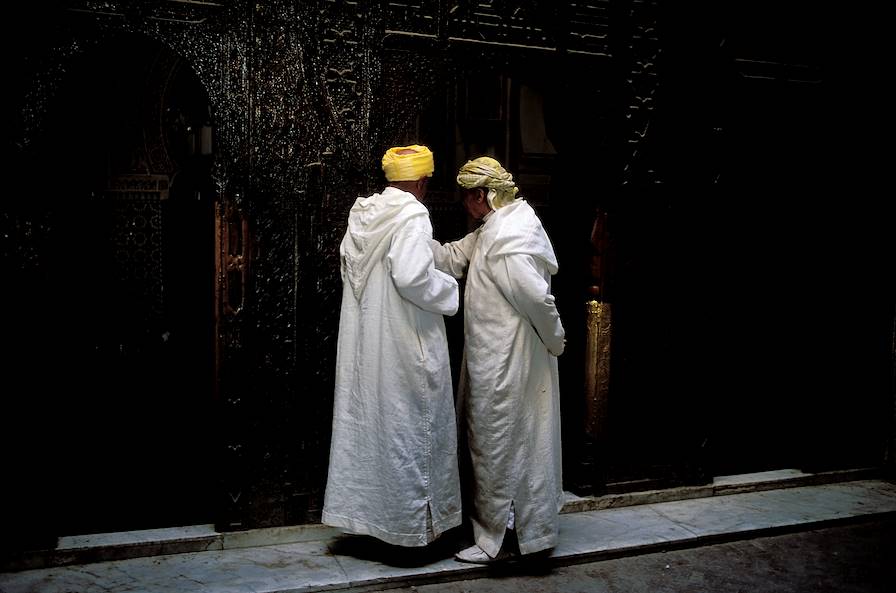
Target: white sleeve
[
  {"x": 454, "y": 257},
  {"x": 522, "y": 280},
  {"x": 412, "y": 269}
]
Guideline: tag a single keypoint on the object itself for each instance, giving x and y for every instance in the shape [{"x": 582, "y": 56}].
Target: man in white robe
[
  {"x": 393, "y": 458},
  {"x": 513, "y": 335}
]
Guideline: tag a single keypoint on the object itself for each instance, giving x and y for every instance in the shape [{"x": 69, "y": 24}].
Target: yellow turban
[
  {"x": 408, "y": 167},
  {"x": 488, "y": 173}
]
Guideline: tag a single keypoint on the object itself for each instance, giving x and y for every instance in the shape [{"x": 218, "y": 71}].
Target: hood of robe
[
  {"x": 517, "y": 229},
  {"x": 371, "y": 223}
]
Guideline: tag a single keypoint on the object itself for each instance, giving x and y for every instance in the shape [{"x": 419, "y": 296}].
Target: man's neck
[{"x": 407, "y": 186}]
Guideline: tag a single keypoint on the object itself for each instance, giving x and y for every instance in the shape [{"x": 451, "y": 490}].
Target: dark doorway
[{"x": 116, "y": 318}]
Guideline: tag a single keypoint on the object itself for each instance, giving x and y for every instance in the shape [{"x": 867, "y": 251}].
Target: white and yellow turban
[
  {"x": 408, "y": 167},
  {"x": 488, "y": 173}
]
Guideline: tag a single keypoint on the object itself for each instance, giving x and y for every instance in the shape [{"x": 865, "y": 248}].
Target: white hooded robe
[
  {"x": 393, "y": 457},
  {"x": 512, "y": 335}
]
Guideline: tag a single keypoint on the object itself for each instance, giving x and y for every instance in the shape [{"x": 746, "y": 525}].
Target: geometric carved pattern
[
  {"x": 579, "y": 27},
  {"x": 415, "y": 17},
  {"x": 136, "y": 238},
  {"x": 524, "y": 24},
  {"x": 589, "y": 27},
  {"x": 643, "y": 55}
]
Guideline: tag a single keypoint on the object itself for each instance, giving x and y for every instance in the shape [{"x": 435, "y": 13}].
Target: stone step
[{"x": 106, "y": 547}]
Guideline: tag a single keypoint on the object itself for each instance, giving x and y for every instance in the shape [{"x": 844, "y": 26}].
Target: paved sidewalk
[{"x": 338, "y": 562}]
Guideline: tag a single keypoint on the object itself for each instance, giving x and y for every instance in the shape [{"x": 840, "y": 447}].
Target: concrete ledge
[
  {"x": 720, "y": 486},
  {"x": 540, "y": 566},
  {"x": 104, "y": 547},
  {"x": 359, "y": 563}
]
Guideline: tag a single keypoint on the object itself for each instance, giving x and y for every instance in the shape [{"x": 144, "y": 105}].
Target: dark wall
[{"x": 784, "y": 305}]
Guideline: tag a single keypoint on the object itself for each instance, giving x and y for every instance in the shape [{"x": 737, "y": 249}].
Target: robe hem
[
  {"x": 491, "y": 547},
  {"x": 537, "y": 545},
  {"x": 359, "y": 527}
]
